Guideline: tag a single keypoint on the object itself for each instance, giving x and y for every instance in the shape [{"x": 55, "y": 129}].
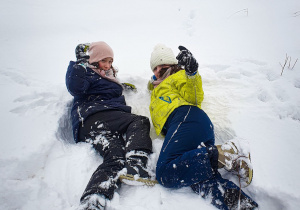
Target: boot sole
[
  {"x": 250, "y": 171},
  {"x": 247, "y": 180},
  {"x": 130, "y": 180},
  {"x": 250, "y": 177}
]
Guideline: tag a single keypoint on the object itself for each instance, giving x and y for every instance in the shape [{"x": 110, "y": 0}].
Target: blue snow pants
[
  {"x": 188, "y": 157},
  {"x": 184, "y": 159}
]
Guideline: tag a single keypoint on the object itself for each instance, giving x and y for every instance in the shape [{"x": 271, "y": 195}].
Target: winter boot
[
  {"x": 92, "y": 202},
  {"x": 234, "y": 199},
  {"x": 234, "y": 161},
  {"x": 137, "y": 172}
]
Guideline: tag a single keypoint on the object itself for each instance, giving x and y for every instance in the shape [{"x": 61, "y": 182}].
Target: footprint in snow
[
  {"x": 218, "y": 68},
  {"x": 32, "y": 102},
  {"x": 264, "y": 96},
  {"x": 297, "y": 83},
  {"x": 256, "y": 62},
  {"x": 16, "y": 76},
  {"x": 189, "y": 23}
]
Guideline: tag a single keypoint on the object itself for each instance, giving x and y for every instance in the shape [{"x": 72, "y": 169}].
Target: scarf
[
  {"x": 110, "y": 74},
  {"x": 164, "y": 76}
]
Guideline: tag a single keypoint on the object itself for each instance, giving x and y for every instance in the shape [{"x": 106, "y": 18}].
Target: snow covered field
[{"x": 239, "y": 45}]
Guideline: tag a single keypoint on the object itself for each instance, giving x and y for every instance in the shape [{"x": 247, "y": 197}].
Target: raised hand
[
  {"x": 80, "y": 52},
  {"x": 186, "y": 59}
]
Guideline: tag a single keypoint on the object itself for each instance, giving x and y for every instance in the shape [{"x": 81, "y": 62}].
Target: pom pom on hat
[
  {"x": 162, "y": 55},
  {"x": 99, "y": 51}
]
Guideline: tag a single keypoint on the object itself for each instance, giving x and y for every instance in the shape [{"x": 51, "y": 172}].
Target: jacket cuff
[{"x": 191, "y": 74}]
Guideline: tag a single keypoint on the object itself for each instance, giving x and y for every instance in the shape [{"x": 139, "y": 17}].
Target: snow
[{"x": 240, "y": 46}]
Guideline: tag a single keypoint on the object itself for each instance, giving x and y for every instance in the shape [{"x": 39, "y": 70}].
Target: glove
[
  {"x": 186, "y": 59},
  {"x": 80, "y": 53},
  {"x": 128, "y": 86}
]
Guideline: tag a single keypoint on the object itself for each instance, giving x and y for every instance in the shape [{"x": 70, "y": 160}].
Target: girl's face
[
  {"x": 160, "y": 70},
  {"x": 105, "y": 63}
]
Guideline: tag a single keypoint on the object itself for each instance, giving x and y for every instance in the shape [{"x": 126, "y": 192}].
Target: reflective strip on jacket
[{"x": 176, "y": 90}]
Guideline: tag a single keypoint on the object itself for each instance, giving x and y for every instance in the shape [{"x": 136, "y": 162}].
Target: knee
[
  {"x": 169, "y": 180},
  {"x": 115, "y": 153},
  {"x": 167, "y": 176},
  {"x": 162, "y": 180},
  {"x": 142, "y": 120}
]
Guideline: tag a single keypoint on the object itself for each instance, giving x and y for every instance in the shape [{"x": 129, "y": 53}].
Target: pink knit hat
[{"x": 98, "y": 51}]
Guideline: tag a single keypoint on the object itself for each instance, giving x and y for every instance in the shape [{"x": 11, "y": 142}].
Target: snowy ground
[{"x": 239, "y": 45}]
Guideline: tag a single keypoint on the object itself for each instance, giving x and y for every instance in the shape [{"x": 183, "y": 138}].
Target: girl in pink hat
[{"x": 101, "y": 118}]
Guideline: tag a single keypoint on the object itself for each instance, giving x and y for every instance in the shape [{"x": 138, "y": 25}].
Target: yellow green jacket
[{"x": 176, "y": 90}]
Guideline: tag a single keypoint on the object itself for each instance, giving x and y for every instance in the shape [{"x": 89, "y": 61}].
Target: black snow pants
[{"x": 105, "y": 131}]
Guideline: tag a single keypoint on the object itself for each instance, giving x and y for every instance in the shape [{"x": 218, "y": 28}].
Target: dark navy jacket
[{"x": 92, "y": 94}]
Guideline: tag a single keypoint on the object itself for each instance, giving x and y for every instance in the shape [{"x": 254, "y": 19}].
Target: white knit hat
[{"x": 162, "y": 55}]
